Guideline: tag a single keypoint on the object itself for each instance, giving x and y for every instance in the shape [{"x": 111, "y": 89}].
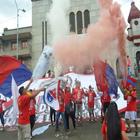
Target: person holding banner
[
  {"x": 69, "y": 108},
  {"x": 131, "y": 110},
  {"x": 24, "y": 130},
  {"x": 52, "y": 110},
  {"x": 32, "y": 111},
  {"x": 2, "y": 112},
  {"x": 61, "y": 110}
]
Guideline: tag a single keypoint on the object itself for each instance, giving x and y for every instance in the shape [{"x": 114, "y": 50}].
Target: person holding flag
[
  {"x": 131, "y": 110},
  {"x": 69, "y": 108},
  {"x": 32, "y": 111},
  {"x": 24, "y": 130},
  {"x": 61, "y": 110}
]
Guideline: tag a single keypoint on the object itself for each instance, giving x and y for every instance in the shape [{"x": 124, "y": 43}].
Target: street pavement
[{"x": 86, "y": 131}]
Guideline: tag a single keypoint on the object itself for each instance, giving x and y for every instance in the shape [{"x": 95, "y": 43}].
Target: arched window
[
  {"x": 86, "y": 18},
  {"x": 79, "y": 22},
  {"x": 138, "y": 60},
  {"x": 72, "y": 22}
]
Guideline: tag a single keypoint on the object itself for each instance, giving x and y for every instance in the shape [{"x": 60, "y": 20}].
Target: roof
[
  {"x": 134, "y": 12},
  {"x": 26, "y": 35}
]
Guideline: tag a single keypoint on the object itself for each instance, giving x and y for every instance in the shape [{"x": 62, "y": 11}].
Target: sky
[{"x": 8, "y": 16}]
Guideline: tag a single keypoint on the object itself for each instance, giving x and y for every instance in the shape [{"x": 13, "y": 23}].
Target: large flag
[
  {"x": 15, "y": 94},
  {"x": 131, "y": 81},
  {"x": 9, "y": 65},
  {"x": 111, "y": 80},
  {"x": 43, "y": 63},
  {"x": 100, "y": 75},
  {"x": 105, "y": 78}
]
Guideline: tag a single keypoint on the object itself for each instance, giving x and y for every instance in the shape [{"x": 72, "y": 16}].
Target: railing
[{"x": 13, "y": 52}]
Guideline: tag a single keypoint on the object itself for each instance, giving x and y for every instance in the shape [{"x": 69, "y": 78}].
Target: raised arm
[
  {"x": 36, "y": 92},
  {"x": 31, "y": 80}
]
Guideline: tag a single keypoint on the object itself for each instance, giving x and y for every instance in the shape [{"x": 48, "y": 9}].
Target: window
[
  {"x": 72, "y": 22},
  {"x": 82, "y": 20},
  {"x": 24, "y": 44},
  {"x": 136, "y": 22},
  {"x": 79, "y": 22},
  {"x": 44, "y": 33},
  {"x": 13, "y": 46},
  {"x": 86, "y": 18}
]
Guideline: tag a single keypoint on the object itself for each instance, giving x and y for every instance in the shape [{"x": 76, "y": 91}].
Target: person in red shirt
[
  {"x": 52, "y": 111},
  {"x": 24, "y": 130},
  {"x": 91, "y": 95},
  {"x": 32, "y": 111},
  {"x": 113, "y": 127},
  {"x": 69, "y": 107},
  {"x": 77, "y": 94},
  {"x": 61, "y": 110},
  {"x": 105, "y": 98},
  {"x": 2, "y": 112},
  {"x": 131, "y": 110}
]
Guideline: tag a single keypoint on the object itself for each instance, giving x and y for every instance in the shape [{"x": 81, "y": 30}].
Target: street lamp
[{"x": 18, "y": 10}]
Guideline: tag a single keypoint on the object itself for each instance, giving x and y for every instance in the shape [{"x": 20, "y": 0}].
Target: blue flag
[{"x": 112, "y": 81}]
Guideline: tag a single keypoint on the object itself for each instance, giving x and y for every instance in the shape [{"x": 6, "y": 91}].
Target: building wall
[
  {"x": 8, "y": 44},
  {"x": 40, "y": 9},
  {"x": 42, "y": 34},
  {"x": 133, "y": 46},
  {"x": 39, "y": 13}
]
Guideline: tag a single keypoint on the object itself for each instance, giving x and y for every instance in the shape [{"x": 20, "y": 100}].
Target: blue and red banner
[
  {"x": 111, "y": 80},
  {"x": 11, "y": 66},
  {"x": 105, "y": 78}
]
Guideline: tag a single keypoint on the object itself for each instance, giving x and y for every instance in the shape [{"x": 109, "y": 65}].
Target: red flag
[
  {"x": 100, "y": 75},
  {"x": 7, "y": 64}
]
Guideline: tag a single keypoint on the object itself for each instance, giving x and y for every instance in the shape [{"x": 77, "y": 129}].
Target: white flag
[
  {"x": 50, "y": 99},
  {"x": 15, "y": 94}
]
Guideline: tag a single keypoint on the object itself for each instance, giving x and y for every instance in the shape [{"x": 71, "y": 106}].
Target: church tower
[
  {"x": 134, "y": 35},
  {"x": 134, "y": 21}
]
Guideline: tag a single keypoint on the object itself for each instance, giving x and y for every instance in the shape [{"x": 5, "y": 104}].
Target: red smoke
[{"x": 84, "y": 50}]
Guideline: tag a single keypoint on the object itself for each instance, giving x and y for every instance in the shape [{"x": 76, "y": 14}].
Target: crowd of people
[
  {"x": 70, "y": 106},
  {"x": 70, "y": 102}
]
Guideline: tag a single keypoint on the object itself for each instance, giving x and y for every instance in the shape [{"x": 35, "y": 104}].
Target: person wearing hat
[{"x": 24, "y": 130}]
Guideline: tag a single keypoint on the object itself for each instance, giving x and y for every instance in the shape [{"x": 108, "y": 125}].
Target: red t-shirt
[
  {"x": 32, "y": 107},
  {"x": 131, "y": 101},
  {"x": 1, "y": 102},
  {"x": 105, "y": 98},
  {"x": 77, "y": 95},
  {"x": 67, "y": 98},
  {"x": 61, "y": 102},
  {"x": 91, "y": 95},
  {"x": 23, "y": 106},
  {"x": 104, "y": 127}
]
